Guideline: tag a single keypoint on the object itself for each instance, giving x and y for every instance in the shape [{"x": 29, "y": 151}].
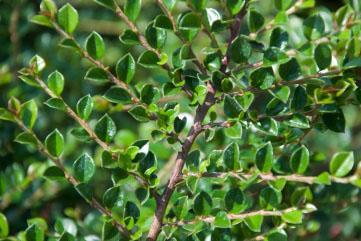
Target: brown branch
[
  {"x": 195, "y": 130},
  {"x": 71, "y": 179}
]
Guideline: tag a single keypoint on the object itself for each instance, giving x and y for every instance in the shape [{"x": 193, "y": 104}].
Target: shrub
[{"x": 235, "y": 108}]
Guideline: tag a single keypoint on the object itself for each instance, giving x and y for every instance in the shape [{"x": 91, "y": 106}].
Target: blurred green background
[{"x": 23, "y": 195}]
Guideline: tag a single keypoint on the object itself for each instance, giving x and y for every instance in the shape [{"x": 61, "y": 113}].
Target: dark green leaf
[
  {"x": 190, "y": 21},
  {"x": 299, "y": 99},
  {"x": 264, "y": 158},
  {"x": 179, "y": 124},
  {"x": 283, "y": 5},
  {"x": 235, "y": 200},
  {"x": 323, "y": 56},
  {"x": 162, "y": 21},
  {"x": 202, "y": 204},
  {"x": 95, "y": 46},
  {"x": 54, "y": 142},
  {"x": 84, "y": 168},
  {"x": 314, "y": 27},
  {"x": 126, "y": 68},
  {"x": 255, "y": 20},
  {"x": 34, "y": 233},
  {"x": 139, "y": 113},
  {"x": 54, "y": 173},
  {"x": 290, "y": 70},
  {"x": 235, "y": 6},
  {"x": 97, "y": 75},
  {"x": 106, "y": 3},
  {"x": 156, "y": 37},
  {"x": 149, "y": 94},
  {"x": 231, "y": 107},
  {"x": 270, "y": 198},
  {"x": 148, "y": 59},
  {"x": 113, "y": 197},
  {"x": 26, "y": 138},
  {"x": 84, "y": 107},
  {"x": 335, "y": 121},
  {"x": 117, "y": 95},
  {"x": 262, "y": 78},
  {"x": 240, "y": 50},
  {"x": 231, "y": 156},
  {"x": 105, "y": 128},
  {"x": 56, "y": 103}
]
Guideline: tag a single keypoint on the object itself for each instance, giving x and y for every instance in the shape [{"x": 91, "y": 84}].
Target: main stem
[{"x": 195, "y": 130}]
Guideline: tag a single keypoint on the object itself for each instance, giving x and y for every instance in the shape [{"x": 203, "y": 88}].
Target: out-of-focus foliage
[{"x": 260, "y": 99}]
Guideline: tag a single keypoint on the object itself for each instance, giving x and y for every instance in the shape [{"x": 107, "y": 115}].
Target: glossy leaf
[
  {"x": 117, "y": 95},
  {"x": 56, "y": 82},
  {"x": 202, "y": 204},
  {"x": 29, "y": 113},
  {"x": 299, "y": 160},
  {"x": 84, "y": 107},
  {"x": 132, "y": 9},
  {"x": 126, "y": 68},
  {"x": 323, "y": 56},
  {"x": 68, "y": 18},
  {"x": 95, "y": 45},
  {"x": 54, "y": 143},
  {"x": 231, "y": 156},
  {"x": 105, "y": 128},
  {"x": 84, "y": 168},
  {"x": 341, "y": 163}
]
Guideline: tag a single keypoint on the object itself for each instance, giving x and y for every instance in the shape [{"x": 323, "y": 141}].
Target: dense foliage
[{"x": 223, "y": 97}]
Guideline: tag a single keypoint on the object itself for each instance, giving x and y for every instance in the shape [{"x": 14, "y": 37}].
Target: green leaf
[
  {"x": 26, "y": 138},
  {"x": 273, "y": 56},
  {"x": 156, "y": 37},
  {"x": 56, "y": 82},
  {"x": 131, "y": 211},
  {"x": 234, "y": 131},
  {"x": 148, "y": 59},
  {"x": 231, "y": 107},
  {"x": 290, "y": 70},
  {"x": 282, "y": 93},
  {"x": 324, "y": 178},
  {"x": 190, "y": 21},
  {"x": 235, "y": 200},
  {"x": 279, "y": 38},
  {"x": 97, "y": 76},
  {"x": 113, "y": 197},
  {"x": 95, "y": 46},
  {"x": 298, "y": 121},
  {"x": 335, "y": 121},
  {"x": 56, "y": 103},
  {"x": 277, "y": 235},
  {"x": 300, "y": 160},
  {"x": 235, "y": 6},
  {"x": 231, "y": 156},
  {"x": 179, "y": 124},
  {"x": 162, "y": 21},
  {"x": 262, "y": 78},
  {"x": 202, "y": 204},
  {"x": 117, "y": 95},
  {"x": 29, "y": 113},
  {"x": 54, "y": 143},
  {"x": 199, "y": 5},
  {"x": 125, "y": 68},
  {"x": 84, "y": 107},
  {"x": 66, "y": 237},
  {"x": 254, "y": 223},
  {"x": 34, "y": 233},
  {"x": 132, "y": 9},
  {"x": 139, "y": 113},
  {"x": 68, "y": 18},
  {"x": 255, "y": 20},
  {"x": 299, "y": 99},
  {"x": 323, "y": 56},
  {"x": 106, "y": 3},
  {"x": 264, "y": 158},
  {"x": 341, "y": 163},
  {"x": 6, "y": 115},
  {"x": 245, "y": 100},
  {"x": 270, "y": 198},
  {"x": 293, "y": 217},
  {"x": 149, "y": 94},
  {"x": 42, "y": 20},
  {"x": 283, "y": 5},
  {"x": 84, "y": 168},
  {"x": 54, "y": 173},
  {"x": 85, "y": 191},
  {"x": 105, "y": 128},
  {"x": 314, "y": 27},
  {"x": 221, "y": 220},
  {"x": 240, "y": 50},
  {"x": 37, "y": 64},
  {"x": 129, "y": 37},
  {"x": 4, "y": 226},
  {"x": 148, "y": 164}
]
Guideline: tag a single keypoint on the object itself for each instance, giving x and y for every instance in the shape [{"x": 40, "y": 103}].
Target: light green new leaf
[
  {"x": 105, "y": 128},
  {"x": 341, "y": 163},
  {"x": 68, "y": 18},
  {"x": 264, "y": 158},
  {"x": 54, "y": 143},
  {"x": 29, "y": 113},
  {"x": 37, "y": 64},
  {"x": 56, "y": 82},
  {"x": 293, "y": 217},
  {"x": 84, "y": 168},
  {"x": 4, "y": 226},
  {"x": 84, "y": 107},
  {"x": 95, "y": 45},
  {"x": 300, "y": 160},
  {"x": 221, "y": 220},
  {"x": 254, "y": 223}
]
